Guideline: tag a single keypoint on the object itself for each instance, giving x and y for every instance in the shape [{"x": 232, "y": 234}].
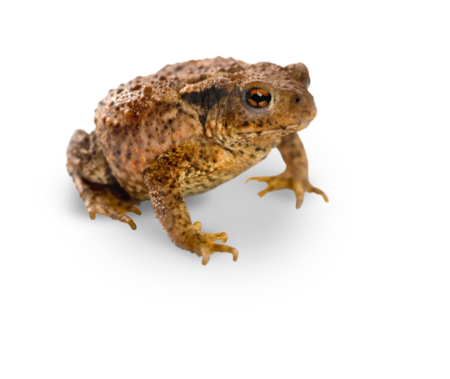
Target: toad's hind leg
[{"x": 94, "y": 181}]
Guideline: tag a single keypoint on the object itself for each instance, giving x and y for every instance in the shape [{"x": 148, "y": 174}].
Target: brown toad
[{"x": 187, "y": 129}]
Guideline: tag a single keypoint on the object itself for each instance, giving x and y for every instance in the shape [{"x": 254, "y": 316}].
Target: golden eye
[{"x": 258, "y": 97}]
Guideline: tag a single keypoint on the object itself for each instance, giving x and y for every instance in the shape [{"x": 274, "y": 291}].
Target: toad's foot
[
  {"x": 203, "y": 244},
  {"x": 108, "y": 200},
  {"x": 287, "y": 180}
]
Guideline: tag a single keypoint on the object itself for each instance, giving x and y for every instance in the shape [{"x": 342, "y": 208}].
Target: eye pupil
[{"x": 258, "y": 97}]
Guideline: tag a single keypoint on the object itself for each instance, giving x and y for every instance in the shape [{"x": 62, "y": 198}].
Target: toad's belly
[
  {"x": 195, "y": 185},
  {"x": 202, "y": 179}
]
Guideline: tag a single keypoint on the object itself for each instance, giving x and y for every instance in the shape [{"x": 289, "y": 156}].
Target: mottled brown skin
[{"x": 186, "y": 130}]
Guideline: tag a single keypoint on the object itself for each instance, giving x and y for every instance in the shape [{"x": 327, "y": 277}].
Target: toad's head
[
  {"x": 274, "y": 101},
  {"x": 262, "y": 100}
]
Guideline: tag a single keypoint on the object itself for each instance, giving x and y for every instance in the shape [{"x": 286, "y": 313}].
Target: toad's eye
[{"x": 258, "y": 98}]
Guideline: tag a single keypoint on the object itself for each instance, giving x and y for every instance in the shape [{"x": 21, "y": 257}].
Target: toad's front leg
[
  {"x": 163, "y": 178},
  {"x": 295, "y": 177}
]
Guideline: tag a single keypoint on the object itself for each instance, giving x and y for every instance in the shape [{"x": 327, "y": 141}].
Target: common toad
[{"x": 187, "y": 129}]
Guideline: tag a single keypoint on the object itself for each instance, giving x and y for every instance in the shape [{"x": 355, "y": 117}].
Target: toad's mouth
[{"x": 280, "y": 130}]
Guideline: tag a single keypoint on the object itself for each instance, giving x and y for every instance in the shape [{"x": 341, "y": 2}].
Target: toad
[{"x": 187, "y": 129}]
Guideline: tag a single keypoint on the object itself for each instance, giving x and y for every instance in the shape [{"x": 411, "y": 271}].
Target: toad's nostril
[{"x": 297, "y": 100}]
